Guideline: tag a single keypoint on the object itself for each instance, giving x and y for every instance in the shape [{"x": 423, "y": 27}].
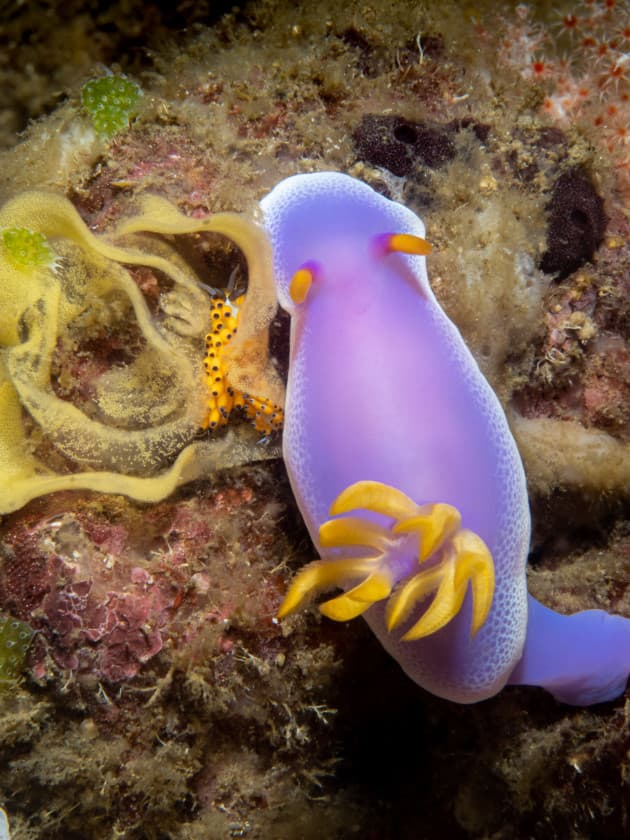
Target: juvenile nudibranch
[
  {"x": 222, "y": 397},
  {"x": 403, "y": 465}
]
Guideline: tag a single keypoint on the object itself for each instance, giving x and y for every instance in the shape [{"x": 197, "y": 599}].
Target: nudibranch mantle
[{"x": 401, "y": 459}]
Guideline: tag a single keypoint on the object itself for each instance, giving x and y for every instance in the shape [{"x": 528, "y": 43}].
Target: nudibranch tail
[
  {"x": 581, "y": 659},
  {"x": 451, "y": 558}
]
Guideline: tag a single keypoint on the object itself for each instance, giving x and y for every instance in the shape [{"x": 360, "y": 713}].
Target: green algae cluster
[
  {"x": 25, "y": 248},
  {"x": 15, "y": 640},
  {"x": 110, "y": 101},
  {"x": 139, "y": 437}
]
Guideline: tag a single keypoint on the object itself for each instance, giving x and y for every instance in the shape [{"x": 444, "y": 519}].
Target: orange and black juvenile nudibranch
[{"x": 222, "y": 398}]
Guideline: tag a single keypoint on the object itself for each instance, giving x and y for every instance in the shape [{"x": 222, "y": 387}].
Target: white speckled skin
[{"x": 382, "y": 387}]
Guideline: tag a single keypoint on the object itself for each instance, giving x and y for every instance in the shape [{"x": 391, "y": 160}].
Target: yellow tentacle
[
  {"x": 374, "y": 496},
  {"x": 435, "y": 524},
  {"x": 322, "y": 574},
  {"x": 450, "y": 559},
  {"x": 445, "y": 606},
  {"x": 352, "y": 530},
  {"x": 474, "y": 563},
  {"x": 355, "y": 601},
  {"x": 405, "y": 599}
]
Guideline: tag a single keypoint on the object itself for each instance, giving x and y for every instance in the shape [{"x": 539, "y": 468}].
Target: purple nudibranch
[{"x": 403, "y": 465}]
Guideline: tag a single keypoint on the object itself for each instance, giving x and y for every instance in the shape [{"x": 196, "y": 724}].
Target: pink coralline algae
[
  {"x": 108, "y": 585},
  {"x": 127, "y": 624},
  {"x": 93, "y": 611}
]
